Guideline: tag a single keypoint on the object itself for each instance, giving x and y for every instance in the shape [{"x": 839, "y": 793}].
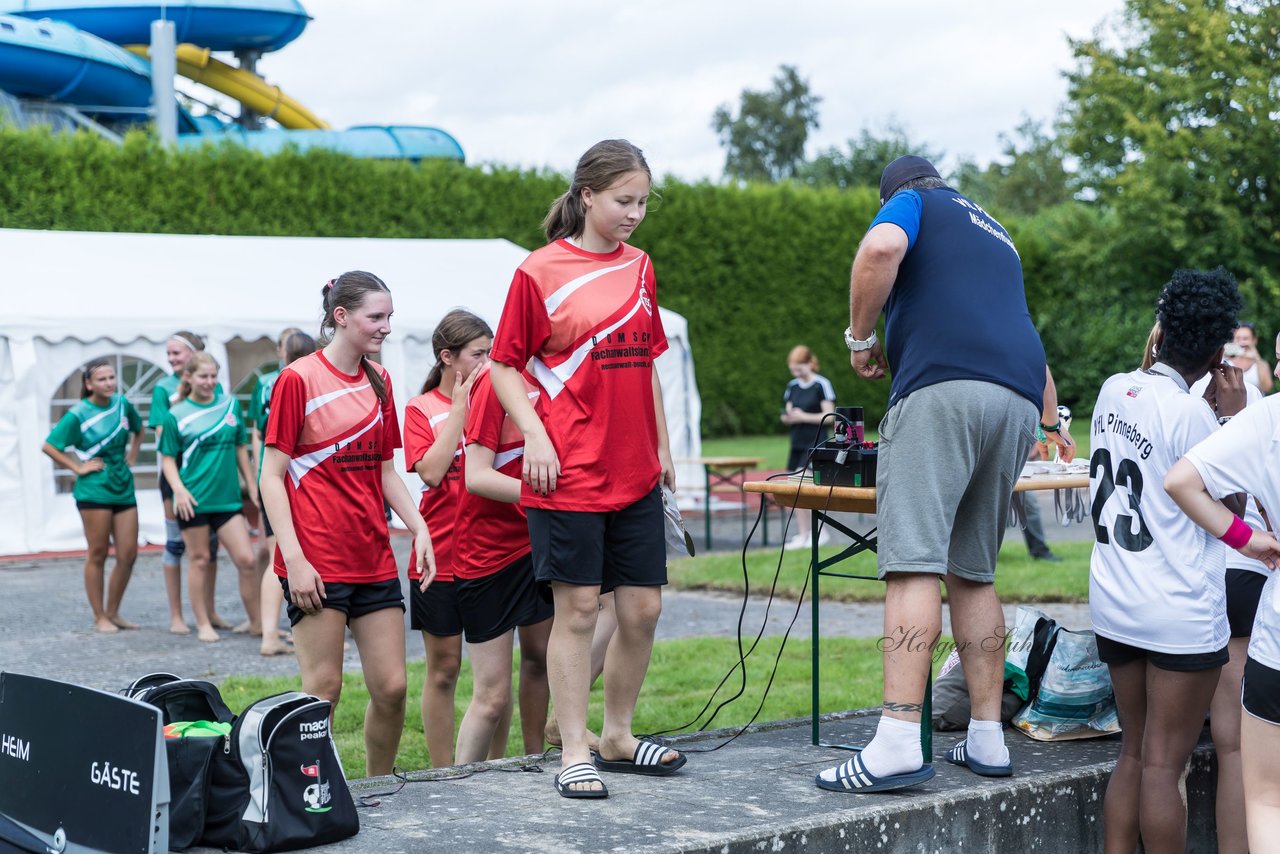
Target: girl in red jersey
[
  {"x": 582, "y": 312},
  {"x": 327, "y": 467},
  {"x": 497, "y": 591},
  {"x": 433, "y": 423}
]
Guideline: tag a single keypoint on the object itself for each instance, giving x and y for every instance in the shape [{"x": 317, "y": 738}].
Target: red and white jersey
[
  {"x": 590, "y": 324},
  {"x": 337, "y": 436},
  {"x": 491, "y": 535},
  {"x": 439, "y": 504}
]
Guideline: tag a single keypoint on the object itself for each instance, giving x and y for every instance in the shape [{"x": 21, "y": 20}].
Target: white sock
[
  {"x": 895, "y": 749},
  {"x": 985, "y": 743}
]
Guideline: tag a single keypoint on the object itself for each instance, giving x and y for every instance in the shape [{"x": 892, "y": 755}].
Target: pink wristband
[{"x": 1237, "y": 536}]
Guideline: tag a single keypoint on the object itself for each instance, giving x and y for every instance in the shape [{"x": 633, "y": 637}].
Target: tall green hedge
[{"x": 755, "y": 270}]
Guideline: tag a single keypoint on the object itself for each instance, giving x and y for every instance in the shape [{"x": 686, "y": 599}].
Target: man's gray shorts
[{"x": 949, "y": 456}]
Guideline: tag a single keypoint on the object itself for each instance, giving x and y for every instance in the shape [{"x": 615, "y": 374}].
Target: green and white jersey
[
  {"x": 203, "y": 438},
  {"x": 260, "y": 407},
  {"x": 260, "y": 401},
  {"x": 164, "y": 394},
  {"x": 90, "y": 431}
]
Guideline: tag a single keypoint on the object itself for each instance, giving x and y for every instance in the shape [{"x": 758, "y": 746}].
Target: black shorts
[
  {"x": 798, "y": 457},
  {"x": 1116, "y": 653},
  {"x": 166, "y": 491},
  {"x": 435, "y": 611},
  {"x": 497, "y": 603},
  {"x": 1260, "y": 693},
  {"x": 620, "y": 548},
  {"x": 266, "y": 522},
  {"x": 117, "y": 508},
  {"x": 213, "y": 520},
  {"x": 354, "y": 600},
  {"x": 1244, "y": 589}
]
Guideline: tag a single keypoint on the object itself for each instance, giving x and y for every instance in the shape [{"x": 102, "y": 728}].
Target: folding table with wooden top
[{"x": 803, "y": 494}]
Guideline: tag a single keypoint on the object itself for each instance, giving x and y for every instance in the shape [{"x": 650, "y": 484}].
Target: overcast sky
[{"x": 534, "y": 84}]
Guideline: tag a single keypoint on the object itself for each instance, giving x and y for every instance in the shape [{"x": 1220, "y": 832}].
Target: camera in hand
[
  {"x": 846, "y": 459},
  {"x": 1232, "y": 350}
]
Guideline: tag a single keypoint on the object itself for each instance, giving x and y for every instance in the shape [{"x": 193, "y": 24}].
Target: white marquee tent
[{"x": 73, "y": 296}]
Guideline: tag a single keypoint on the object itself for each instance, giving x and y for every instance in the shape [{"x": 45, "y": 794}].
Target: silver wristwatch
[{"x": 856, "y": 345}]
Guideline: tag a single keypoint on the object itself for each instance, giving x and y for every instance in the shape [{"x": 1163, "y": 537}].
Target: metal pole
[
  {"x": 248, "y": 59},
  {"x": 815, "y": 633},
  {"x": 164, "y": 65}
]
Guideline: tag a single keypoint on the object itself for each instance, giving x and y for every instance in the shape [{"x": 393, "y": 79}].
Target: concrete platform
[{"x": 757, "y": 794}]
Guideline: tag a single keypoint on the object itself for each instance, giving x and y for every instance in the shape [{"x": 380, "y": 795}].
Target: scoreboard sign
[{"x": 81, "y": 769}]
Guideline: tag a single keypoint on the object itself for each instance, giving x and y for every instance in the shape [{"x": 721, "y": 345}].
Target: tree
[
  {"x": 1172, "y": 118},
  {"x": 765, "y": 141},
  {"x": 1034, "y": 178},
  {"x": 863, "y": 160}
]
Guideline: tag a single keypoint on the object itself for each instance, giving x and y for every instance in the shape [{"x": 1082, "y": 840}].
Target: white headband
[{"x": 184, "y": 342}]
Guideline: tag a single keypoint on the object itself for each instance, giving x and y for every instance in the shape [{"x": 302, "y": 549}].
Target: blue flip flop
[
  {"x": 853, "y": 776},
  {"x": 959, "y": 755}
]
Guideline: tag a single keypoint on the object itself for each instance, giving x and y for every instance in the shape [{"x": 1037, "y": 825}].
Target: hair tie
[{"x": 328, "y": 286}]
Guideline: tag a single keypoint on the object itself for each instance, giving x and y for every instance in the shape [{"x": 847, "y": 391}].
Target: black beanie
[{"x": 906, "y": 168}]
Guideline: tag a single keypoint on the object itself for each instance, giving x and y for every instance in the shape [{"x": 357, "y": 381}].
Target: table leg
[
  {"x": 815, "y": 633},
  {"x": 926, "y": 717},
  {"x": 706, "y": 506},
  {"x": 764, "y": 517}
]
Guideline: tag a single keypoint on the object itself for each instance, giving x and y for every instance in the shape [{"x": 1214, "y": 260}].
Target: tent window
[
  {"x": 244, "y": 390},
  {"x": 249, "y": 360},
  {"x": 135, "y": 377}
]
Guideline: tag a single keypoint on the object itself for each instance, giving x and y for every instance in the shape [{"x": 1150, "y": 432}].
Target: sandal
[
  {"x": 959, "y": 755},
  {"x": 853, "y": 776},
  {"x": 647, "y": 760},
  {"x": 582, "y": 772}
]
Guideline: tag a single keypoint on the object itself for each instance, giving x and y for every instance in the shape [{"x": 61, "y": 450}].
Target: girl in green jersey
[
  {"x": 98, "y": 441},
  {"x": 203, "y": 443}
]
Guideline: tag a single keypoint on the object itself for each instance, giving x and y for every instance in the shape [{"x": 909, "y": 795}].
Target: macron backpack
[{"x": 278, "y": 784}]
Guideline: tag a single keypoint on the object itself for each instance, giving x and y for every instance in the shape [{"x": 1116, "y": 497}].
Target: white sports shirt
[
  {"x": 1156, "y": 580},
  {"x": 1244, "y": 456},
  {"x": 1235, "y": 559}
]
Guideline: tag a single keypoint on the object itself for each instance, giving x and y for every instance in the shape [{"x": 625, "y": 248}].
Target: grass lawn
[
  {"x": 1018, "y": 577},
  {"x": 773, "y": 447},
  {"x": 680, "y": 681}
]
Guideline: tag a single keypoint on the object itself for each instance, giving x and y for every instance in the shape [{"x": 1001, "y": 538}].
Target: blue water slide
[
  {"x": 374, "y": 142},
  {"x": 216, "y": 24},
  {"x": 46, "y": 59}
]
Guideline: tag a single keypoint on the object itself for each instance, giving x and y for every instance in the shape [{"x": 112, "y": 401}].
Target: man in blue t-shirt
[{"x": 967, "y": 391}]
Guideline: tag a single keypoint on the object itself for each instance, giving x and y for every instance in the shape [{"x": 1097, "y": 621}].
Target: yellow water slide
[{"x": 196, "y": 64}]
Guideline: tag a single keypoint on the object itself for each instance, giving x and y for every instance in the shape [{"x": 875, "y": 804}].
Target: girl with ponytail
[
  {"x": 180, "y": 347},
  {"x": 595, "y": 451},
  {"x": 204, "y": 455},
  {"x": 98, "y": 441},
  {"x": 326, "y": 471},
  {"x": 433, "y": 423},
  {"x": 292, "y": 345}
]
